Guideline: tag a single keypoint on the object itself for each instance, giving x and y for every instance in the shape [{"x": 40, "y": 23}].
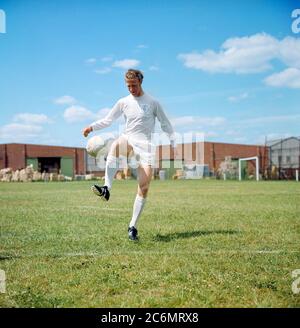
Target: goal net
[{"x": 246, "y": 160}]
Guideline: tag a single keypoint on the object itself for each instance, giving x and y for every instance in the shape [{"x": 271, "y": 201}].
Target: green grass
[{"x": 202, "y": 244}]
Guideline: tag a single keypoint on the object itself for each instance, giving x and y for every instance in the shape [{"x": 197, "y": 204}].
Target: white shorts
[{"x": 143, "y": 150}]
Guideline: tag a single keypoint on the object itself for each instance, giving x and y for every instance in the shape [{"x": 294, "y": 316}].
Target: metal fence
[{"x": 284, "y": 158}]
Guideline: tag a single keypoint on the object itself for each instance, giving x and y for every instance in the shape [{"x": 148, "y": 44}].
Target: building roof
[
  {"x": 39, "y": 145},
  {"x": 275, "y": 142}
]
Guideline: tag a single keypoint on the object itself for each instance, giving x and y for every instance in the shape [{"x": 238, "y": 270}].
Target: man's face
[{"x": 134, "y": 86}]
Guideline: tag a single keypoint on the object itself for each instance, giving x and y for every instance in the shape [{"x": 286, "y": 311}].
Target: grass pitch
[{"x": 202, "y": 244}]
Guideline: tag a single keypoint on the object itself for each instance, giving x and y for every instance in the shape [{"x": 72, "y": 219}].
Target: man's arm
[
  {"x": 165, "y": 124},
  {"x": 106, "y": 121}
]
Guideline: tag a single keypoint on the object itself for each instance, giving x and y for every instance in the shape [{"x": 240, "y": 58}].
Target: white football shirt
[{"x": 140, "y": 113}]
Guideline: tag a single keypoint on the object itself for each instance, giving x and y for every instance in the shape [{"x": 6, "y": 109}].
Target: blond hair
[{"x": 134, "y": 74}]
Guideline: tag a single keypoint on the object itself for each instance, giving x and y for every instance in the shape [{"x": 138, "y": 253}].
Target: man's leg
[
  {"x": 144, "y": 179},
  {"x": 119, "y": 148},
  {"x": 112, "y": 162}
]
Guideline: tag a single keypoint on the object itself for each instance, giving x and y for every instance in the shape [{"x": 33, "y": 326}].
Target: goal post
[{"x": 256, "y": 166}]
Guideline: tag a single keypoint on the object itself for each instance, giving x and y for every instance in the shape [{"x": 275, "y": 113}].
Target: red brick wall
[
  {"x": 16, "y": 155},
  {"x": 80, "y": 167},
  {"x": 49, "y": 151},
  {"x": 2, "y": 156},
  {"x": 214, "y": 153},
  {"x": 13, "y": 156}
]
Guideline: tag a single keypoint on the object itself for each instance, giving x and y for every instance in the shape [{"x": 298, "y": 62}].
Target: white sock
[
  {"x": 138, "y": 206},
  {"x": 112, "y": 166}
]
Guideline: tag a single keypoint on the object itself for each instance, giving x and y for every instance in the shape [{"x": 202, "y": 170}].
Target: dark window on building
[{"x": 49, "y": 164}]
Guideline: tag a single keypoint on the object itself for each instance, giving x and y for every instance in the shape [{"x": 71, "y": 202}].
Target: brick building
[
  {"x": 52, "y": 159},
  {"x": 70, "y": 161},
  {"x": 209, "y": 154}
]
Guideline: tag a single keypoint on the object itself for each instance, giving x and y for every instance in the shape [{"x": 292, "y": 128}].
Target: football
[{"x": 94, "y": 145}]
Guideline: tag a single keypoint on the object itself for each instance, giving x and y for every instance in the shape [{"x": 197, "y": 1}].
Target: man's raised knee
[{"x": 144, "y": 190}]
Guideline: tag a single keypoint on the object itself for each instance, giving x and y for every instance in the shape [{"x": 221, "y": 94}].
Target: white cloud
[
  {"x": 187, "y": 136},
  {"x": 75, "y": 114},
  {"x": 28, "y": 118},
  {"x": 290, "y": 78},
  {"x": 142, "y": 46},
  {"x": 91, "y": 61},
  {"x": 153, "y": 68},
  {"x": 104, "y": 70},
  {"x": 20, "y": 132},
  {"x": 271, "y": 119},
  {"x": 289, "y": 51},
  {"x": 184, "y": 121},
  {"x": 107, "y": 58},
  {"x": 238, "y": 98},
  {"x": 271, "y": 137},
  {"x": 274, "y": 136},
  {"x": 241, "y": 140},
  {"x": 250, "y": 54},
  {"x": 126, "y": 63},
  {"x": 102, "y": 112},
  {"x": 210, "y": 134},
  {"x": 237, "y": 55},
  {"x": 65, "y": 100},
  {"x": 26, "y": 127},
  {"x": 232, "y": 133}
]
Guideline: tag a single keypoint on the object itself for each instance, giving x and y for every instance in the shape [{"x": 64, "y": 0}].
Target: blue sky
[{"x": 229, "y": 69}]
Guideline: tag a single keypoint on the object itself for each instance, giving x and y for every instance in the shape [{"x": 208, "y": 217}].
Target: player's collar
[{"x": 139, "y": 97}]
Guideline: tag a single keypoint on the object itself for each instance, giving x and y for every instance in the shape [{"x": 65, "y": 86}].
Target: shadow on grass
[
  {"x": 7, "y": 257},
  {"x": 190, "y": 234}
]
